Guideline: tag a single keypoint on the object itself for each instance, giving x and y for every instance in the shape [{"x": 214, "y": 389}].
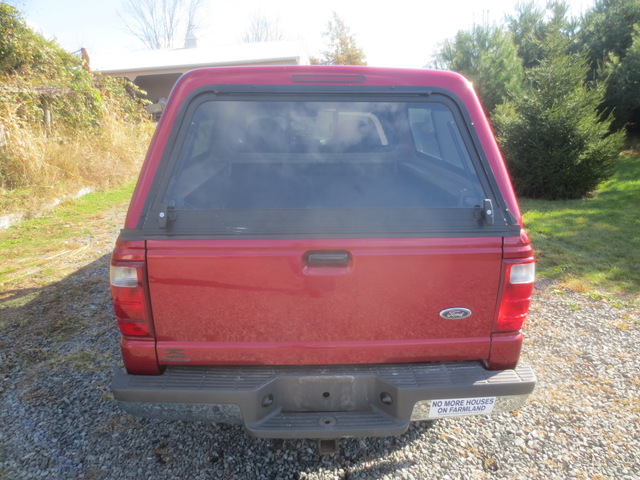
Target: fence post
[{"x": 46, "y": 117}]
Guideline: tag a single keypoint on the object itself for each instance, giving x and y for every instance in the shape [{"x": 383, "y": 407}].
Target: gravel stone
[{"x": 58, "y": 418}]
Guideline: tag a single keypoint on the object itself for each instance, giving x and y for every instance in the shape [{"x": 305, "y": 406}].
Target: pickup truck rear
[{"x": 322, "y": 252}]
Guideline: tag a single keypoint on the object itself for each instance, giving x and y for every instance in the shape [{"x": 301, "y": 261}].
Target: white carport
[{"x": 156, "y": 71}]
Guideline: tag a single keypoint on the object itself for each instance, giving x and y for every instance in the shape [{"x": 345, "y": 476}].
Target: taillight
[
  {"x": 129, "y": 300},
  {"x": 516, "y": 296}
]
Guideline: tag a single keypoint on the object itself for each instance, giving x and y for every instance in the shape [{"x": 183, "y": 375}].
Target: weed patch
[{"x": 84, "y": 360}]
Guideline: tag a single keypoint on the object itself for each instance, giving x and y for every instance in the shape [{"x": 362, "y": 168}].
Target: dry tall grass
[{"x": 37, "y": 168}]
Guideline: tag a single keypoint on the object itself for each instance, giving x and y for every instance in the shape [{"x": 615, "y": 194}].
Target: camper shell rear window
[{"x": 321, "y": 165}]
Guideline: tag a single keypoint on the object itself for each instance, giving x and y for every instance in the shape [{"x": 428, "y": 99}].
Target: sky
[{"x": 401, "y": 33}]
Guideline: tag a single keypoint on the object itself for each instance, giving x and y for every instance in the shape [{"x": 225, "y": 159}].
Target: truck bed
[{"x": 253, "y": 185}]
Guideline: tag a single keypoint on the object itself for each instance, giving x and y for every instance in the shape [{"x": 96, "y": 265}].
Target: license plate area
[{"x": 326, "y": 394}]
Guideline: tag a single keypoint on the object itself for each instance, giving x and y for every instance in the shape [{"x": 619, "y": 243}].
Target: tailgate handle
[{"x": 327, "y": 258}]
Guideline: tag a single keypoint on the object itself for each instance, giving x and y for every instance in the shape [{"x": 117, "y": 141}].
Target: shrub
[{"x": 555, "y": 145}]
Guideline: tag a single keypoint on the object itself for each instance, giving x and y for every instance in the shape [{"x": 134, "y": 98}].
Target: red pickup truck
[{"x": 322, "y": 252}]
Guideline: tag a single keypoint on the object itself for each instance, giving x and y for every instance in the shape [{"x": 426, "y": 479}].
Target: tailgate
[{"x": 323, "y": 301}]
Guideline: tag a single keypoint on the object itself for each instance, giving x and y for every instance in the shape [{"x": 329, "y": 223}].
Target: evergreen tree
[
  {"x": 552, "y": 139},
  {"x": 342, "y": 48},
  {"x": 623, "y": 86},
  {"x": 533, "y": 27},
  {"x": 608, "y": 28},
  {"x": 610, "y": 35},
  {"x": 488, "y": 57}
]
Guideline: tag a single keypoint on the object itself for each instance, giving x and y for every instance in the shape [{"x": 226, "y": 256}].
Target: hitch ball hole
[
  {"x": 327, "y": 422},
  {"x": 326, "y": 394}
]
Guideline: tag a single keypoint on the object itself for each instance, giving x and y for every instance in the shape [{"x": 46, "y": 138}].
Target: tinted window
[{"x": 257, "y": 155}]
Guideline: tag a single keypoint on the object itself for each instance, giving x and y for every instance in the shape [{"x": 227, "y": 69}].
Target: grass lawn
[
  {"x": 32, "y": 250},
  {"x": 592, "y": 245}
]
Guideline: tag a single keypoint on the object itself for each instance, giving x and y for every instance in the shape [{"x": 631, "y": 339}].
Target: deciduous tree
[{"x": 263, "y": 29}]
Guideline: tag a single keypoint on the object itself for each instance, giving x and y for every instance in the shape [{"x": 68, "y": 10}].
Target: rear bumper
[{"x": 324, "y": 401}]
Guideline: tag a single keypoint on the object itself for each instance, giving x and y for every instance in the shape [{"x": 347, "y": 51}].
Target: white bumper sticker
[{"x": 457, "y": 407}]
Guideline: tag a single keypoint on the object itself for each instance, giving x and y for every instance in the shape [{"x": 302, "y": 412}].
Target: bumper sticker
[{"x": 457, "y": 407}]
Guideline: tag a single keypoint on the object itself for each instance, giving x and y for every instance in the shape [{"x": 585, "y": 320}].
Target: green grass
[
  {"x": 32, "y": 247},
  {"x": 592, "y": 244}
]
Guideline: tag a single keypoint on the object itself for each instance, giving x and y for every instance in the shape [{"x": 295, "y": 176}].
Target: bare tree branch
[
  {"x": 193, "y": 19},
  {"x": 160, "y": 24},
  {"x": 263, "y": 29}
]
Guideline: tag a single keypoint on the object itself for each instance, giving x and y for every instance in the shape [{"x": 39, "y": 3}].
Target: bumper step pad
[{"x": 327, "y": 424}]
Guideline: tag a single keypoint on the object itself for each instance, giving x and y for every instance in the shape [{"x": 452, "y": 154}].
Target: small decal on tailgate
[{"x": 457, "y": 407}]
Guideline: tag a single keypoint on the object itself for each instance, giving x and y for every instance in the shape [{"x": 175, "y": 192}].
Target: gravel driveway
[{"x": 58, "y": 418}]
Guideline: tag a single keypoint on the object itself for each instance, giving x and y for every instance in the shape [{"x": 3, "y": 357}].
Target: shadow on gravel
[
  {"x": 42, "y": 325},
  {"x": 196, "y": 450}
]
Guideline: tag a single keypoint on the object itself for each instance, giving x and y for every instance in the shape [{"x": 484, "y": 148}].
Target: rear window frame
[{"x": 197, "y": 223}]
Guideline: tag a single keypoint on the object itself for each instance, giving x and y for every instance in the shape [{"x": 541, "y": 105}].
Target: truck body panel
[{"x": 383, "y": 304}]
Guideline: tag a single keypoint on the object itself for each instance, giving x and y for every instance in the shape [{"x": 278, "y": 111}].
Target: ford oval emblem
[{"x": 455, "y": 313}]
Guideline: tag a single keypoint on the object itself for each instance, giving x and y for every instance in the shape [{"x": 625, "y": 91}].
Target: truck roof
[{"x": 322, "y": 74}]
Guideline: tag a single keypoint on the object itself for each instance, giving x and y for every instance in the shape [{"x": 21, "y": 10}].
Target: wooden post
[{"x": 46, "y": 117}]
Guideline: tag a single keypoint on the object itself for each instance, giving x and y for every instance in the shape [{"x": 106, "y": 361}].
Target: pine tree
[
  {"x": 554, "y": 144},
  {"x": 610, "y": 35},
  {"x": 623, "y": 87},
  {"x": 487, "y": 56}
]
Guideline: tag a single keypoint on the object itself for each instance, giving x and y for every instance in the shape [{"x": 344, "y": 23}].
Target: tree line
[{"x": 560, "y": 92}]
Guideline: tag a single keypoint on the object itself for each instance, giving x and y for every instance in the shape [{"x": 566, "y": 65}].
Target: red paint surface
[
  {"x": 255, "y": 301},
  {"x": 139, "y": 356},
  {"x": 505, "y": 350}
]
